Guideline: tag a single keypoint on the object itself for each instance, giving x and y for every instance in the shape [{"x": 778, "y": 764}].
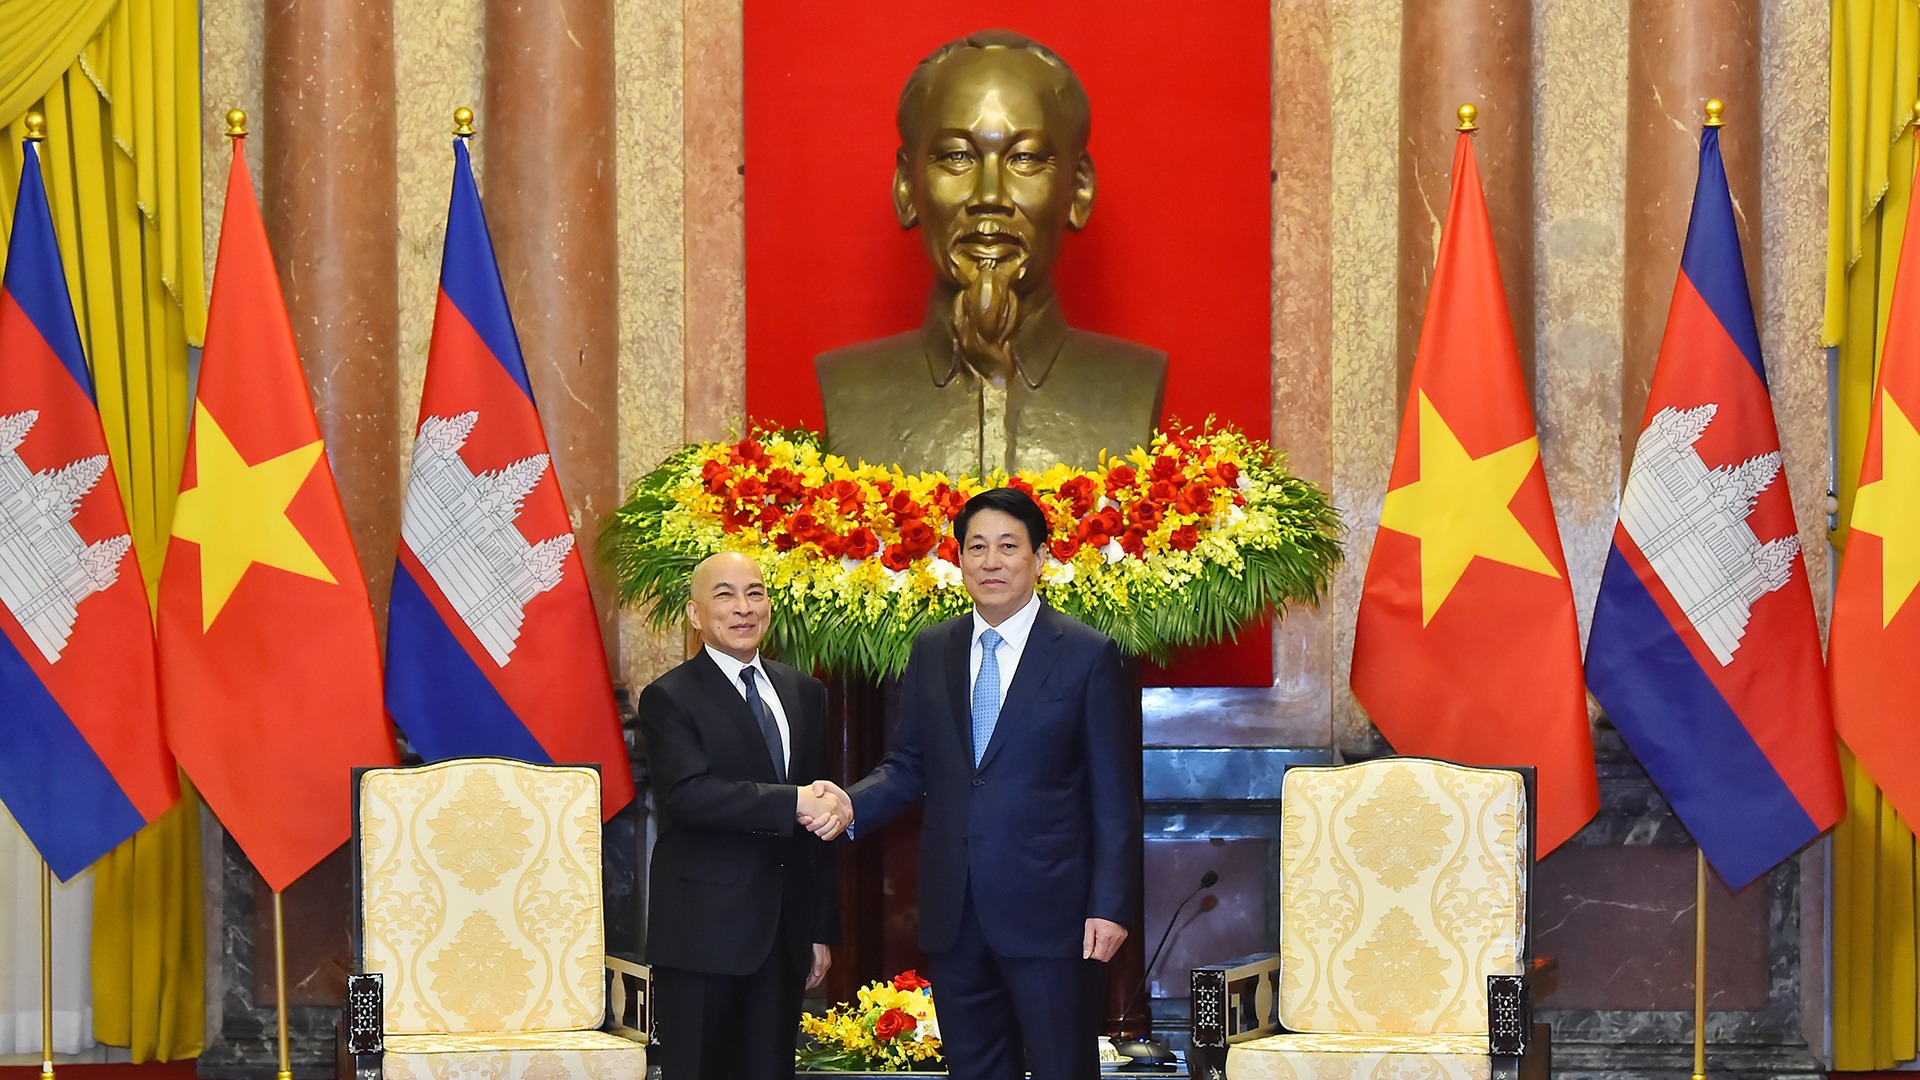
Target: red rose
[
  {"x": 749, "y": 451},
  {"x": 910, "y": 980},
  {"x": 714, "y": 477},
  {"x": 1228, "y": 472},
  {"x": 786, "y": 485},
  {"x": 1064, "y": 549},
  {"x": 903, "y": 506},
  {"x": 806, "y": 527},
  {"x": 949, "y": 549},
  {"x": 1133, "y": 541},
  {"x": 1146, "y": 513},
  {"x": 1197, "y": 498},
  {"x": 1162, "y": 491},
  {"x": 832, "y": 545},
  {"x": 750, "y": 489},
  {"x": 861, "y": 543},
  {"x": 1079, "y": 494},
  {"x": 771, "y": 515},
  {"x": 846, "y": 494},
  {"x": 892, "y": 1024},
  {"x": 918, "y": 538},
  {"x": 896, "y": 558},
  {"x": 1165, "y": 468},
  {"x": 1018, "y": 483},
  {"x": 1184, "y": 538},
  {"x": 734, "y": 516}
]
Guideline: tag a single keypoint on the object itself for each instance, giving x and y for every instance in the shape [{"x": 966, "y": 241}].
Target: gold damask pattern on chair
[
  {"x": 1403, "y": 908},
  {"x": 481, "y": 912}
]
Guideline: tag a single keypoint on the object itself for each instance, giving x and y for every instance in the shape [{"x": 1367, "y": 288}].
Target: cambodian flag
[
  {"x": 493, "y": 646},
  {"x": 83, "y": 763},
  {"x": 1704, "y": 650}
]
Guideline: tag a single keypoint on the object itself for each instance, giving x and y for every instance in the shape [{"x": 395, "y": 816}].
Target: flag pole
[
  {"x": 37, "y": 132},
  {"x": 1699, "y": 965},
  {"x": 1714, "y": 109},
  {"x": 46, "y": 971},
  {"x": 280, "y": 984}
]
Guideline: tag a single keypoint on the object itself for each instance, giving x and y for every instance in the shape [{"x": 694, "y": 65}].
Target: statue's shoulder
[
  {"x": 1085, "y": 344},
  {"x": 1117, "y": 357},
  {"x": 899, "y": 354}
]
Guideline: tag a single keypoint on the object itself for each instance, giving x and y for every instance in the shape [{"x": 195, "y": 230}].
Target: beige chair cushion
[
  {"x": 480, "y": 886},
  {"x": 1360, "y": 1057},
  {"x": 1400, "y": 893},
  {"x": 547, "y": 1055}
]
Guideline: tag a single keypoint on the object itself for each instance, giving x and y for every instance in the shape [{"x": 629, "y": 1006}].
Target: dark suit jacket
[
  {"x": 732, "y": 872},
  {"x": 1047, "y": 830}
]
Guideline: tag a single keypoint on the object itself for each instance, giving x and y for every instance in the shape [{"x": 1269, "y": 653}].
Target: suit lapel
[
  {"x": 732, "y": 705},
  {"x": 1036, "y": 662}
]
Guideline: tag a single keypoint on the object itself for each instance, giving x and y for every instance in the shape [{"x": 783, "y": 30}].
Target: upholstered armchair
[
  {"x": 479, "y": 930},
  {"x": 1403, "y": 933}
]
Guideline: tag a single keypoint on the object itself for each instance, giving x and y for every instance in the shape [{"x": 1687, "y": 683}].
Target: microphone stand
[{"x": 1149, "y": 1054}]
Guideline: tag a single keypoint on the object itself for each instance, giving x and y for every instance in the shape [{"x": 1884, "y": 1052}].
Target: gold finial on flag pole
[
  {"x": 1467, "y": 114},
  {"x": 1714, "y": 108},
  {"x": 236, "y": 123},
  {"x": 36, "y": 127},
  {"x": 463, "y": 122}
]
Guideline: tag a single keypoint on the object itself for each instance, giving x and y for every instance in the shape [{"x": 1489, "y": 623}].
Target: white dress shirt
[
  {"x": 1014, "y": 632},
  {"x": 732, "y": 668}
]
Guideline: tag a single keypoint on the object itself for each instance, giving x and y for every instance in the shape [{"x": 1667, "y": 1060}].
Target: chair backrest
[
  {"x": 1402, "y": 887},
  {"x": 479, "y": 895}
]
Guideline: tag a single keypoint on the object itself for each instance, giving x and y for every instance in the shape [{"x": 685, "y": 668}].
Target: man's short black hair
[{"x": 1011, "y": 501}]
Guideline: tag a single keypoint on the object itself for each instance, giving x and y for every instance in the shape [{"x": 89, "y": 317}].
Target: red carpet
[{"x": 153, "y": 1070}]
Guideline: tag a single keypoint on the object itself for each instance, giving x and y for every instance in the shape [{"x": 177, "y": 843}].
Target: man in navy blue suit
[{"x": 1012, "y": 727}]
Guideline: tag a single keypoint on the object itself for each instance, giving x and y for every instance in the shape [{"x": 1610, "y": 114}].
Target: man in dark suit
[
  {"x": 1012, "y": 727},
  {"x": 743, "y": 901}
]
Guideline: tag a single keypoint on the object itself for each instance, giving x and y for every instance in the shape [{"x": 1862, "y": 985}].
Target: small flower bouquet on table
[
  {"x": 890, "y": 1028},
  {"x": 1180, "y": 542}
]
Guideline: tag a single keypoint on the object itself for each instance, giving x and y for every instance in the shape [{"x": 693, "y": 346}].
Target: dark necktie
[{"x": 768, "y": 729}]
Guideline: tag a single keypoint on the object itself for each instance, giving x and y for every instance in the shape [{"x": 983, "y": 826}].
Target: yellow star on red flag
[
  {"x": 1887, "y": 509},
  {"x": 1458, "y": 509},
  {"x": 237, "y": 513}
]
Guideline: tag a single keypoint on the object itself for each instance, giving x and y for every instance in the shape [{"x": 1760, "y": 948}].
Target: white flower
[
  {"x": 896, "y": 579},
  {"x": 1243, "y": 481},
  {"x": 1113, "y": 551},
  {"x": 1056, "y": 573},
  {"x": 944, "y": 573}
]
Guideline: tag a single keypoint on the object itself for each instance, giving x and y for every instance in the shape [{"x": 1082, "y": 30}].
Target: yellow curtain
[
  {"x": 119, "y": 83},
  {"x": 1875, "y": 81}
]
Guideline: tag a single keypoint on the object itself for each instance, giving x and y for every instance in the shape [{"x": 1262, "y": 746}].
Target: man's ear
[
  {"x": 903, "y": 191},
  {"x": 1082, "y": 193}
]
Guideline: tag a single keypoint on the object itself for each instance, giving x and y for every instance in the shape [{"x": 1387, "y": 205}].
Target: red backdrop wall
[{"x": 1176, "y": 254}]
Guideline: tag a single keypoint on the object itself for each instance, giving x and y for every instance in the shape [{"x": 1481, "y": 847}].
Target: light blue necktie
[{"x": 986, "y": 695}]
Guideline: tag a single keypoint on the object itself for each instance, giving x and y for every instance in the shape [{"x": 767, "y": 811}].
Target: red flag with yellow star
[
  {"x": 1467, "y": 648},
  {"x": 1875, "y": 639},
  {"x": 269, "y": 670}
]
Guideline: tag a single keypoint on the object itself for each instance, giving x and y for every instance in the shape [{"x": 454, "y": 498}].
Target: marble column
[
  {"x": 1679, "y": 54},
  {"x": 1454, "y": 52},
  {"x": 328, "y": 170},
  {"x": 715, "y": 199},
  {"x": 550, "y": 192}
]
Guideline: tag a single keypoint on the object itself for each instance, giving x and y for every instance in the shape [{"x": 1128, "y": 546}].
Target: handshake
[{"x": 824, "y": 809}]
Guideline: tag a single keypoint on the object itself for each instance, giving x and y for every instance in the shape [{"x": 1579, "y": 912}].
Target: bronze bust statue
[{"x": 993, "y": 168}]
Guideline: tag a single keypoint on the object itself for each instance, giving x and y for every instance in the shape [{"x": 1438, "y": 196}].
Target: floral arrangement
[
  {"x": 1179, "y": 542},
  {"x": 892, "y": 1026}
]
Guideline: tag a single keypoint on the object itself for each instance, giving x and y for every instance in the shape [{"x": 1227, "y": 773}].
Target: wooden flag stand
[{"x": 1699, "y": 965}]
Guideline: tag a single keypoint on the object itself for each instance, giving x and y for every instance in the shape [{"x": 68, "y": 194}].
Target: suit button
[{"x": 977, "y": 782}]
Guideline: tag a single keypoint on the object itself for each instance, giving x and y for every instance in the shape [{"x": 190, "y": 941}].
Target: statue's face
[{"x": 995, "y": 174}]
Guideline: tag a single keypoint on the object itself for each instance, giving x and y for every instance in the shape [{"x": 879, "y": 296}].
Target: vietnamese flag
[
  {"x": 1467, "y": 648},
  {"x": 269, "y": 669},
  {"x": 1873, "y": 650}
]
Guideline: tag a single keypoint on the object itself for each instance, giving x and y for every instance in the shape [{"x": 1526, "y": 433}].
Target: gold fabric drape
[
  {"x": 1875, "y": 80},
  {"x": 119, "y": 83}
]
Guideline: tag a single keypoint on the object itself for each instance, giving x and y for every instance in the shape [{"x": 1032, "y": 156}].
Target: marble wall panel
[
  {"x": 649, "y": 139},
  {"x": 1579, "y": 198},
  {"x": 1365, "y": 73},
  {"x": 1794, "y": 56},
  {"x": 714, "y": 198},
  {"x": 232, "y": 38},
  {"x": 1303, "y": 323}
]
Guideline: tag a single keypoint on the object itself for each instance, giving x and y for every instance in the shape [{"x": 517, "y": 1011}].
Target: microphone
[{"x": 1148, "y": 1053}]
